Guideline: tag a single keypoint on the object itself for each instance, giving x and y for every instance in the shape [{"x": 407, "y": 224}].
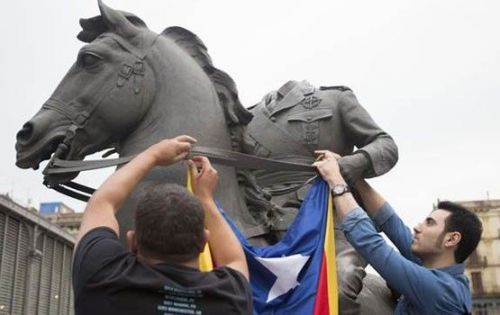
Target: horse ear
[
  {"x": 91, "y": 28},
  {"x": 95, "y": 26},
  {"x": 117, "y": 22}
]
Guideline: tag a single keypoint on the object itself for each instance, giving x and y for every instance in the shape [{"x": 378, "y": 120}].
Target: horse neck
[{"x": 185, "y": 102}]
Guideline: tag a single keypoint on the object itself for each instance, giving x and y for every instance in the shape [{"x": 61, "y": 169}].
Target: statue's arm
[{"x": 377, "y": 152}]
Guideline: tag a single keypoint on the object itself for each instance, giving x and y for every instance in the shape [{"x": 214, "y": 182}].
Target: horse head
[
  {"x": 111, "y": 89},
  {"x": 108, "y": 77}
]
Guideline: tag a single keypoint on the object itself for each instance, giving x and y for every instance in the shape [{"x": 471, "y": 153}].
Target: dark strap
[
  {"x": 80, "y": 187},
  {"x": 246, "y": 161},
  {"x": 71, "y": 193},
  {"x": 58, "y": 166},
  {"x": 217, "y": 156}
]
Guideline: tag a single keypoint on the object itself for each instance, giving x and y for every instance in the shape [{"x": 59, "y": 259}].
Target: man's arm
[
  {"x": 104, "y": 203},
  {"x": 377, "y": 152},
  {"x": 420, "y": 285},
  {"x": 224, "y": 245},
  {"x": 376, "y": 206},
  {"x": 386, "y": 219},
  {"x": 372, "y": 200}
]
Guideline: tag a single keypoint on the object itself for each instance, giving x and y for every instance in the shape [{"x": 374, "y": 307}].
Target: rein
[{"x": 217, "y": 156}]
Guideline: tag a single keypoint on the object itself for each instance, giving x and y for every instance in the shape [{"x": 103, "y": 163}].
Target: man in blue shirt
[{"x": 428, "y": 271}]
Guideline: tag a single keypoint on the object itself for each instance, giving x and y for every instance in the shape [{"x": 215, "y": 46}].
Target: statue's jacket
[{"x": 289, "y": 124}]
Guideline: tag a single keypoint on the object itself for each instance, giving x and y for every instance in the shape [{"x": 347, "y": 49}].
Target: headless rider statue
[{"x": 289, "y": 124}]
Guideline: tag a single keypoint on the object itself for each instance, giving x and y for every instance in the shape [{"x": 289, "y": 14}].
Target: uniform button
[
  {"x": 309, "y": 118},
  {"x": 273, "y": 119}
]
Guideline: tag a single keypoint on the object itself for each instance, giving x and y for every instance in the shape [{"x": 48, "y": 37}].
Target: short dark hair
[
  {"x": 169, "y": 223},
  {"x": 465, "y": 222}
]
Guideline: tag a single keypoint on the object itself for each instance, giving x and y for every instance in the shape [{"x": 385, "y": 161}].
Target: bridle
[
  {"x": 217, "y": 156},
  {"x": 132, "y": 67}
]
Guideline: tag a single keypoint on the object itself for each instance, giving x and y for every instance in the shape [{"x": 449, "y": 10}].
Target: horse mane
[{"x": 235, "y": 113}]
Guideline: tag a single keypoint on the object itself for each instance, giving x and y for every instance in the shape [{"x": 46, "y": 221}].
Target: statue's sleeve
[{"x": 370, "y": 140}]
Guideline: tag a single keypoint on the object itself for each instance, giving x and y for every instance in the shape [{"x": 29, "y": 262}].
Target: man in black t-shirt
[{"x": 159, "y": 272}]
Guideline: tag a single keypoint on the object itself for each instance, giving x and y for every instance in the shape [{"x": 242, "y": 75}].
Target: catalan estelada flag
[{"x": 297, "y": 275}]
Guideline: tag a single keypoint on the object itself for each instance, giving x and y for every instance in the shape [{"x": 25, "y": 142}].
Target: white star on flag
[{"x": 286, "y": 269}]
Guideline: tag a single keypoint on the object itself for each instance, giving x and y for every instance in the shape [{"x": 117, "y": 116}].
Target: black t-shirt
[{"x": 108, "y": 279}]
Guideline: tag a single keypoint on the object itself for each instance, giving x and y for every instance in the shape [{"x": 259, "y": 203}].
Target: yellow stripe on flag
[
  {"x": 205, "y": 259},
  {"x": 333, "y": 303}
]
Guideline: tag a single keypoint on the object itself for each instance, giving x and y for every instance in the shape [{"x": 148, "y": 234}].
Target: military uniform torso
[
  {"x": 293, "y": 122},
  {"x": 290, "y": 125}
]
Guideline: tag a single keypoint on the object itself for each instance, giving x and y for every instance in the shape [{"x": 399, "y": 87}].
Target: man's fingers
[
  {"x": 183, "y": 155},
  {"x": 325, "y": 154},
  {"x": 185, "y": 138},
  {"x": 184, "y": 147},
  {"x": 201, "y": 161},
  {"x": 322, "y": 154},
  {"x": 196, "y": 159}
]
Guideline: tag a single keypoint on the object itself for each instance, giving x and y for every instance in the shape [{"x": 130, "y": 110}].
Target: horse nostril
[{"x": 24, "y": 135}]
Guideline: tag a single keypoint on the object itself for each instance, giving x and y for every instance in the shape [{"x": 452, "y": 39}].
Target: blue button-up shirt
[{"x": 423, "y": 290}]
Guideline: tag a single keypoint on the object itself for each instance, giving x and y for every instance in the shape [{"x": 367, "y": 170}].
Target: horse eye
[{"x": 88, "y": 60}]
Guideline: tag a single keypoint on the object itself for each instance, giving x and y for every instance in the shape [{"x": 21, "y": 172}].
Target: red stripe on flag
[{"x": 321, "y": 305}]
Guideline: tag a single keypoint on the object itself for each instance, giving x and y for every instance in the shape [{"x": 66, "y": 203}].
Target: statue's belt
[{"x": 217, "y": 156}]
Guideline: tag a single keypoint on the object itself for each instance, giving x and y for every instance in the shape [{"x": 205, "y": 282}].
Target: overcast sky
[{"x": 427, "y": 71}]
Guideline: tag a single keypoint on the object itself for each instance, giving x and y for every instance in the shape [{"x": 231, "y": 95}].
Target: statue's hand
[{"x": 353, "y": 167}]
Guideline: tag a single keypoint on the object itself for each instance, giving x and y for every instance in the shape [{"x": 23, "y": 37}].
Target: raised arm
[
  {"x": 372, "y": 200},
  {"x": 376, "y": 206},
  {"x": 415, "y": 282},
  {"x": 106, "y": 201},
  {"x": 224, "y": 245}
]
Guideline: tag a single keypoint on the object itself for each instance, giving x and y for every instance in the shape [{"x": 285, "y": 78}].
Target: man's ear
[
  {"x": 132, "y": 241},
  {"x": 452, "y": 239}
]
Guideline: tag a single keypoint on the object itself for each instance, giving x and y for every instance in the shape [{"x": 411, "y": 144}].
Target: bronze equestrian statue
[
  {"x": 289, "y": 124},
  {"x": 131, "y": 87}
]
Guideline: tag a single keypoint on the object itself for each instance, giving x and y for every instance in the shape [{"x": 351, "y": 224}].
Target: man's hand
[
  {"x": 204, "y": 177},
  {"x": 101, "y": 208},
  {"x": 170, "y": 151},
  {"x": 224, "y": 245},
  {"x": 328, "y": 167}
]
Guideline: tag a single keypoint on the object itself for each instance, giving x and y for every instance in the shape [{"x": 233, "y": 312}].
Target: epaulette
[{"x": 335, "y": 87}]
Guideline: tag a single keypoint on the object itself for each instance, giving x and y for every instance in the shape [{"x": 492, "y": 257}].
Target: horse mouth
[{"x": 31, "y": 156}]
